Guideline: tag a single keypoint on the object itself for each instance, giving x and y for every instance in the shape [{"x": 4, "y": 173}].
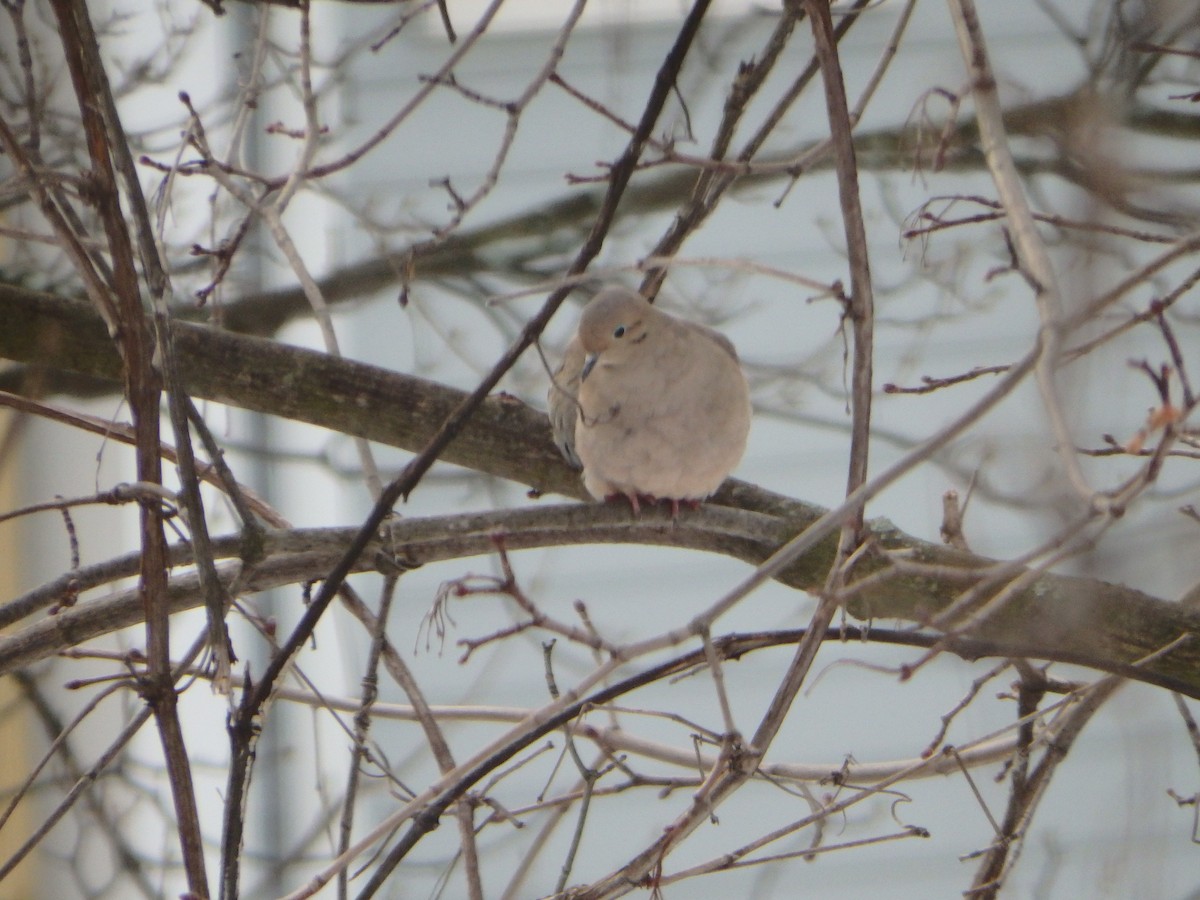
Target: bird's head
[{"x": 614, "y": 324}]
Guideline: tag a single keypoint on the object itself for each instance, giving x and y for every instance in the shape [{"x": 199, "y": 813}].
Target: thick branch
[
  {"x": 1111, "y": 625},
  {"x": 265, "y": 376},
  {"x": 1077, "y": 620}
]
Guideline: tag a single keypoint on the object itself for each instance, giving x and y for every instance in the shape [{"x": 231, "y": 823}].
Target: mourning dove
[{"x": 649, "y": 405}]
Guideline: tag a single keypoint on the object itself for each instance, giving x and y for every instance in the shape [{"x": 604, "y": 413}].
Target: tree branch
[{"x": 1107, "y": 627}]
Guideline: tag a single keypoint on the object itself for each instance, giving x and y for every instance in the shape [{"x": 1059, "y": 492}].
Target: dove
[{"x": 652, "y": 407}]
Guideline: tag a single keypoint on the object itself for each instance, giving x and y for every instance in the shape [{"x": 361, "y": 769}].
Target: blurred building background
[{"x": 1108, "y": 827}]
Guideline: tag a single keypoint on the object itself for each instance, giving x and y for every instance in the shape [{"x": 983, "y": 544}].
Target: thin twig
[
  {"x": 108, "y": 150},
  {"x": 1030, "y": 247},
  {"x": 362, "y": 721},
  {"x": 589, "y": 775}
]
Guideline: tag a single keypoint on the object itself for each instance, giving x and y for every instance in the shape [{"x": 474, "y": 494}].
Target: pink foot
[
  {"x": 685, "y": 504},
  {"x": 632, "y": 498}
]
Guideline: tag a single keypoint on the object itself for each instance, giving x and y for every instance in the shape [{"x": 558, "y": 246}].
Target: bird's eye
[{"x": 619, "y": 331}]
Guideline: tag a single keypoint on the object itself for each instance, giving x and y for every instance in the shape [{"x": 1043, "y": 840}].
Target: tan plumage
[
  {"x": 661, "y": 407},
  {"x": 563, "y": 399}
]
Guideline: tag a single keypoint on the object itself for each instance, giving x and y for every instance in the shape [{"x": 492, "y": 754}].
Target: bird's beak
[{"x": 588, "y": 362}]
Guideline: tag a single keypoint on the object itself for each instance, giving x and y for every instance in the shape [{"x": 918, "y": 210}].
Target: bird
[
  {"x": 651, "y": 407},
  {"x": 563, "y": 400}
]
